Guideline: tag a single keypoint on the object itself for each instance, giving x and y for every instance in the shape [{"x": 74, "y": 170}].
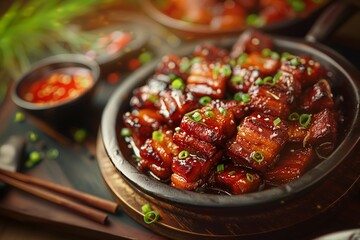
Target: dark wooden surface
[{"x": 81, "y": 167}]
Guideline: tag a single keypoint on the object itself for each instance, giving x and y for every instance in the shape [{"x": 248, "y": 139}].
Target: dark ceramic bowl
[
  {"x": 344, "y": 82},
  {"x": 57, "y": 111}
]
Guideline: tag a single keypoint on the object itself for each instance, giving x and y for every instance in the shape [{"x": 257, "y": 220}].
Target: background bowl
[
  {"x": 297, "y": 26},
  {"x": 58, "y": 112},
  {"x": 343, "y": 82}
]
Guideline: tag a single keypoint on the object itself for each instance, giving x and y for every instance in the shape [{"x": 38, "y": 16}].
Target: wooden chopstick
[
  {"x": 94, "y": 201},
  {"x": 90, "y": 213}
]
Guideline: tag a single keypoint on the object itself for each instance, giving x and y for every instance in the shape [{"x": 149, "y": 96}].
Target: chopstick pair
[{"x": 32, "y": 185}]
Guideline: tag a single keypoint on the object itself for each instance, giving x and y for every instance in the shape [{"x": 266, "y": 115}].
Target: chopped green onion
[
  {"x": 35, "y": 156},
  {"x": 275, "y": 55},
  {"x": 183, "y": 154},
  {"x": 276, "y": 97},
  {"x": 196, "y": 116},
  {"x": 225, "y": 70},
  {"x": 157, "y": 136},
  {"x": 238, "y": 96},
  {"x": 178, "y": 84},
  {"x": 220, "y": 168},
  {"x": 297, "y": 5},
  {"x": 232, "y": 172},
  {"x": 146, "y": 57},
  {"x": 242, "y": 97},
  {"x": 172, "y": 76},
  {"x": 52, "y": 153},
  {"x": 249, "y": 177},
  {"x": 294, "y": 116},
  {"x": 209, "y": 114},
  {"x": 259, "y": 81},
  {"x": 246, "y": 98},
  {"x": 29, "y": 164},
  {"x": 195, "y": 60},
  {"x": 257, "y": 156},
  {"x": 285, "y": 56},
  {"x": 151, "y": 217},
  {"x": 237, "y": 79},
  {"x": 19, "y": 117},
  {"x": 146, "y": 208},
  {"x": 242, "y": 58},
  {"x": 205, "y": 100},
  {"x": 276, "y": 121},
  {"x": 216, "y": 71},
  {"x": 125, "y": 132},
  {"x": 295, "y": 61},
  {"x": 80, "y": 135},
  {"x": 32, "y": 136},
  {"x": 222, "y": 111},
  {"x": 266, "y": 52},
  {"x": 232, "y": 62},
  {"x": 254, "y": 20},
  {"x": 185, "y": 65},
  {"x": 309, "y": 71},
  {"x": 305, "y": 120},
  {"x": 153, "y": 98},
  {"x": 269, "y": 81},
  {"x": 277, "y": 77}
]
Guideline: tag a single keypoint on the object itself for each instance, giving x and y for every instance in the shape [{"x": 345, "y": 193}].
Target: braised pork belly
[{"x": 237, "y": 120}]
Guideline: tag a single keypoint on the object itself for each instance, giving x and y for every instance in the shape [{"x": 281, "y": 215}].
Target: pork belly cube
[
  {"x": 238, "y": 109},
  {"x": 314, "y": 71},
  {"x": 208, "y": 79},
  {"x": 323, "y": 129},
  {"x": 211, "y": 53},
  {"x": 318, "y": 97},
  {"x": 194, "y": 145},
  {"x": 251, "y": 41},
  {"x": 296, "y": 132},
  {"x": 147, "y": 96},
  {"x": 175, "y": 103},
  {"x": 290, "y": 84},
  {"x": 157, "y": 154},
  {"x": 270, "y": 100},
  {"x": 294, "y": 65},
  {"x": 243, "y": 78},
  {"x": 266, "y": 65},
  {"x": 293, "y": 162},
  {"x": 171, "y": 65},
  {"x": 230, "y": 15},
  {"x": 274, "y": 14},
  {"x": 208, "y": 124},
  {"x": 238, "y": 180},
  {"x": 142, "y": 123},
  {"x": 259, "y": 140},
  {"x": 191, "y": 171}
]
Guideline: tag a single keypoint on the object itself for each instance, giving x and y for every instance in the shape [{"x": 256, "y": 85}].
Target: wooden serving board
[{"x": 309, "y": 215}]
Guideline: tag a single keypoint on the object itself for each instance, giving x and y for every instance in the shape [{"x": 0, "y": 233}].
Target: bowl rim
[
  {"x": 82, "y": 61},
  {"x": 156, "y": 189}
]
